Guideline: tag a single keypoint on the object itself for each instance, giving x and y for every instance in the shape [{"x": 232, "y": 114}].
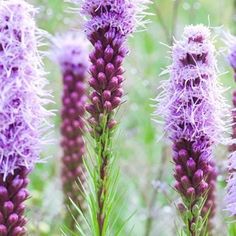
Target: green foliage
[
  {"x": 194, "y": 222},
  {"x": 111, "y": 199},
  {"x": 232, "y": 228}
]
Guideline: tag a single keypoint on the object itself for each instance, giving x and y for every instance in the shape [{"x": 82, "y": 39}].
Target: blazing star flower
[
  {"x": 22, "y": 115},
  {"x": 231, "y": 187},
  {"x": 108, "y": 25},
  {"x": 194, "y": 111},
  {"x": 72, "y": 55}
]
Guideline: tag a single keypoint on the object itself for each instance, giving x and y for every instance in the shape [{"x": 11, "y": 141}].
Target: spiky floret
[
  {"x": 72, "y": 55},
  {"x": 22, "y": 115},
  {"x": 194, "y": 112},
  {"x": 123, "y": 15},
  {"x": 193, "y": 89},
  {"x": 231, "y": 186}
]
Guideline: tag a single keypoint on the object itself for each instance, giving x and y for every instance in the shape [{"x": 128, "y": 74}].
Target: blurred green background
[{"x": 146, "y": 168}]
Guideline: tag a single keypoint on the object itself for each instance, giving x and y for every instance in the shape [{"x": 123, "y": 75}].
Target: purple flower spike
[
  {"x": 72, "y": 56},
  {"x": 194, "y": 113},
  {"x": 108, "y": 25},
  {"x": 22, "y": 116},
  {"x": 231, "y": 187}
]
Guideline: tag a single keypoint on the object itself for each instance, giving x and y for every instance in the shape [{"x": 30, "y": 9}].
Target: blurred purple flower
[
  {"x": 194, "y": 113},
  {"x": 22, "y": 116},
  {"x": 71, "y": 53},
  {"x": 231, "y": 186}
]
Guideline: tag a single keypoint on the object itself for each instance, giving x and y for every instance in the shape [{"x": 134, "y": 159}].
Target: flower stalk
[
  {"x": 22, "y": 115},
  {"x": 72, "y": 55},
  {"x": 194, "y": 109},
  {"x": 108, "y": 25}
]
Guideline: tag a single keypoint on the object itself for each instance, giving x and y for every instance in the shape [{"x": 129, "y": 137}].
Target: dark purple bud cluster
[
  {"x": 195, "y": 177},
  {"x": 106, "y": 72},
  {"x": 108, "y": 25},
  {"x": 13, "y": 193},
  {"x": 72, "y": 56},
  {"x": 72, "y": 129}
]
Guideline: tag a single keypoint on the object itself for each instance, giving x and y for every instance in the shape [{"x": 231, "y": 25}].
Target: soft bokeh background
[{"x": 146, "y": 168}]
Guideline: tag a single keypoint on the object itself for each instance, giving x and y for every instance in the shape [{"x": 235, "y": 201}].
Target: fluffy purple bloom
[
  {"x": 194, "y": 113},
  {"x": 123, "y": 15},
  {"x": 72, "y": 56},
  {"x": 193, "y": 95},
  {"x": 22, "y": 116},
  {"x": 231, "y": 186}
]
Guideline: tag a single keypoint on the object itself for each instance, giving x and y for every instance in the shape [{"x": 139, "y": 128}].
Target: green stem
[
  {"x": 162, "y": 22},
  {"x": 174, "y": 19},
  {"x": 149, "y": 221},
  {"x": 104, "y": 155}
]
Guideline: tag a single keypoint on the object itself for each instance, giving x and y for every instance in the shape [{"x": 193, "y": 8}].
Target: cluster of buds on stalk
[
  {"x": 72, "y": 55},
  {"x": 108, "y": 26},
  {"x": 22, "y": 115}
]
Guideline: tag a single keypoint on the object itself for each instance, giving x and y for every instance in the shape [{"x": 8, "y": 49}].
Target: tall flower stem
[
  {"x": 103, "y": 146},
  {"x": 72, "y": 56},
  {"x": 104, "y": 100},
  {"x": 22, "y": 115},
  {"x": 109, "y": 23}
]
